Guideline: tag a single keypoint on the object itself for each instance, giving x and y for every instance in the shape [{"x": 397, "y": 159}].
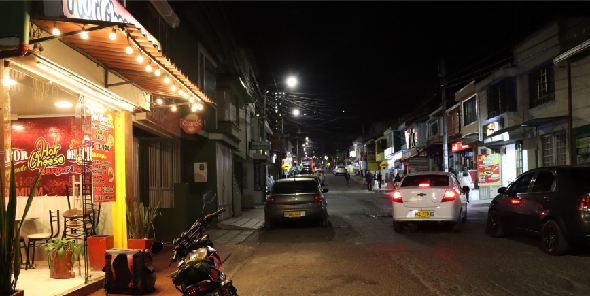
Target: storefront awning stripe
[{"x": 112, "y": 54}]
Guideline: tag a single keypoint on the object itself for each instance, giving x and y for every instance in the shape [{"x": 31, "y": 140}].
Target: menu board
[
  {"x": 488, "y": 169},
  {"x": 103, "y": 157},
  {"x": 50, "y": 143}
]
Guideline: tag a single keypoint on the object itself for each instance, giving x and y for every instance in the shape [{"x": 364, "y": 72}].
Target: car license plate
[
  {"x": 296, "y": 214},
  {"x": 424, "y": 214}
]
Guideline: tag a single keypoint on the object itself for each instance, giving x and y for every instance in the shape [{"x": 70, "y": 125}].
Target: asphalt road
[{"x": 359, "y": 254}]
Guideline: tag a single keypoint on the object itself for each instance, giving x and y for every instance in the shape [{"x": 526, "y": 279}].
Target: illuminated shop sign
[
  {"x": 458, "y": 147},
  {"x": 103, "y": 10},
  {"x": 492, "y": 128},
  {"x": 387, "y": 152}
]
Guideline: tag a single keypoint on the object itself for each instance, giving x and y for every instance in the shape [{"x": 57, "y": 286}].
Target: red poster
[
  {"x": 103, "y": 157},
  {"x": 51, "y": 143},
  {"x": 488, "y": 169}
]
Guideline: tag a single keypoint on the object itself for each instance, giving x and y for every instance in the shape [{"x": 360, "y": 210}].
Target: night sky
[{"x": 379, "y": 60}]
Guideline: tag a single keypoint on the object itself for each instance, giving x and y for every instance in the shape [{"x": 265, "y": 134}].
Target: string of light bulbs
[{"x": 183, "y": 90}]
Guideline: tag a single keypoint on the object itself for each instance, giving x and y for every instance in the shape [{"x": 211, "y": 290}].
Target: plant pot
[
  {"x": 18, "y": 293},
  {"x": 61, "y": 268},
  {"x": 97, "y": 246},
  {"x": 140, "y": 244}
]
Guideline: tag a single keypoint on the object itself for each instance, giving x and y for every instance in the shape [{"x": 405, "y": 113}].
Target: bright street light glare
[
  {"x": 296, "y": 112},
  {"x": 292, "y": 81}
]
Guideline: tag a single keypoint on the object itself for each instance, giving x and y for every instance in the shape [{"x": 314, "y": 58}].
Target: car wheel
[
  {"x": 458, "y": 226},
  {"x": 464, "y": 219},
  {"x": 325, "y": 221},
  {"x": 554, "y": 242},
  {"x": 398, "y": 226},
  {"x": 268, "y": 225},
  {"x": 493, "y": 226}
]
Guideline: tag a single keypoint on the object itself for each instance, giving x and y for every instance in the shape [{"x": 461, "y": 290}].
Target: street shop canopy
[{"x": 124, "y": 50}]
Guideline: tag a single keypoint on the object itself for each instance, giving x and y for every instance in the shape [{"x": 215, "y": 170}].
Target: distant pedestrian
[
  {"x": 347, "y": 178},
  {"x": 466, "y": 182},
  {"x": 379, "y": 179},
  {"x": 369, "y": 178}
]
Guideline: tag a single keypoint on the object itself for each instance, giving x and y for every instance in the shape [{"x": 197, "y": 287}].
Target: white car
[
  {"x": 339, "y": 170},
  {"x": 430, "y": 197}
]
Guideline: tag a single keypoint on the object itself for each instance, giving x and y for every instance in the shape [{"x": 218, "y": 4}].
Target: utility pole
[{"x": 443, "y": 84}]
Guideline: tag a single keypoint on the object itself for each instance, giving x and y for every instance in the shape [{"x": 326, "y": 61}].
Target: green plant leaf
[{"x": 60, "y": 253}]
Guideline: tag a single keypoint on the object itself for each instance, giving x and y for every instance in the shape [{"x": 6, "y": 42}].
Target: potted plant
[
  {"x": 139, "y": 221},
  {"x": 61, "y": 256},
  {"x": 10, "y": 235}
]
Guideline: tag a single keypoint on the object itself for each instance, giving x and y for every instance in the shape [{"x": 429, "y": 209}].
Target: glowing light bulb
[
  {"x": 194, "y": 108},
  {"x": 192, "y": 100},
  {"x": 129, "y": 50},
  {"x": 113, "y": 35},
  {"x": 173, "y": 87},
  {"x": 174, "y": 108},
  {"x": 84, "y": 35},
  {"x": 55, "y": 31},
  {"x": 157, "y": 72},
  {"x": 139, "y": 58},
  {"x": 180, "y": 92},
  {"x": 200, "y": 106},
  {"x": 148, "y": 68},
  {"x": 159, "y": 101},
  {"x": 186, "y": 95},
  {"x": 167, "y": 80}
]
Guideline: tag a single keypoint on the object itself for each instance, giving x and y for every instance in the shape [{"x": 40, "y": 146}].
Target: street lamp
[
  {"x": 296, "y": 112},
  {"x": 291, "y": 81}
]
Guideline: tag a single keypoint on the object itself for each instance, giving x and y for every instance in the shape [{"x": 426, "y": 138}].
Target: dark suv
[{"x": 553, "y": 202}]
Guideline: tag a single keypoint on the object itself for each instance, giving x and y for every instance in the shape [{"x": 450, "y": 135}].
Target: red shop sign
[
  {"x": 458, "y": 147},
  {"x": 191, "y": 123}
]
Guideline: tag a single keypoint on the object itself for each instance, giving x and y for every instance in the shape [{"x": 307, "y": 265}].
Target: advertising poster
[
  {"x": 488, "y": 169},
  {"x": 49, "y": 143},
  {"x": 103, "y": 157}
]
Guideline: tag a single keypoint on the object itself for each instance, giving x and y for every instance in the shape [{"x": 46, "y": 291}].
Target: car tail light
[
  {"x": 450, "y": 195},
  {"x": 270, "y": 200},
  {"x": 397, "y": 196},
  {"x": 318, "y": 198},
  {"x": 424, "y": 185},
  {"x": 584, "y": 204}
]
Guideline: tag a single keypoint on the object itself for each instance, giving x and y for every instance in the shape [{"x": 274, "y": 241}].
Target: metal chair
[{"x": 39, "y": 237}]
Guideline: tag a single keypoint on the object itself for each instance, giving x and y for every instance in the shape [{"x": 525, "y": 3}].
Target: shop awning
[
  {"x": 536, "y": 122},
  {"x": 98, "y": 45}
]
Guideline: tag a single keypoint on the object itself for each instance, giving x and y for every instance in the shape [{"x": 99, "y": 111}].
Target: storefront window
[{"x": 48, "y": 124}]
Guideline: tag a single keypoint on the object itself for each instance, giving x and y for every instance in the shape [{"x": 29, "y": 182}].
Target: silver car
[{"x": 296, "y": 199}]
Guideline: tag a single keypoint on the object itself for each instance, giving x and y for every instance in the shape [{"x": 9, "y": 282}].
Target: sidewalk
[{"x": 226, "y": 238}]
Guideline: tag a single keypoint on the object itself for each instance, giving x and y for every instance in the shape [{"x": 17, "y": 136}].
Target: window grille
[
  {"x": 547, "y": 142},
  {"x": 469, "y": 111},
  {"x": 164, "y": 172},
  {"x": 541, "y": 86},
  {"x": 560, "y": 149}
]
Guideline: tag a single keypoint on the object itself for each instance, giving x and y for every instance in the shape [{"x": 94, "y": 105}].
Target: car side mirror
[
  {"x": 324, "y": 190},
  {"x": 502, "y": 190}
]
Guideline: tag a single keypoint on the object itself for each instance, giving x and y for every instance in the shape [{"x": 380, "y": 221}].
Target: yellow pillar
[{"x": 119, "y": 207}]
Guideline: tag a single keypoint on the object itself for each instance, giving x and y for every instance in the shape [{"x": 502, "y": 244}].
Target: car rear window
[
  {"x": 580, "y": 177},
  {"x": 295, "y": 187},
  {"x": 431, "y": 180}
]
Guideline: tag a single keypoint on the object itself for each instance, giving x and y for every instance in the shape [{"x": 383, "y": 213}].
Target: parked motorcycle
[{"x": 198, "y": 272}]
